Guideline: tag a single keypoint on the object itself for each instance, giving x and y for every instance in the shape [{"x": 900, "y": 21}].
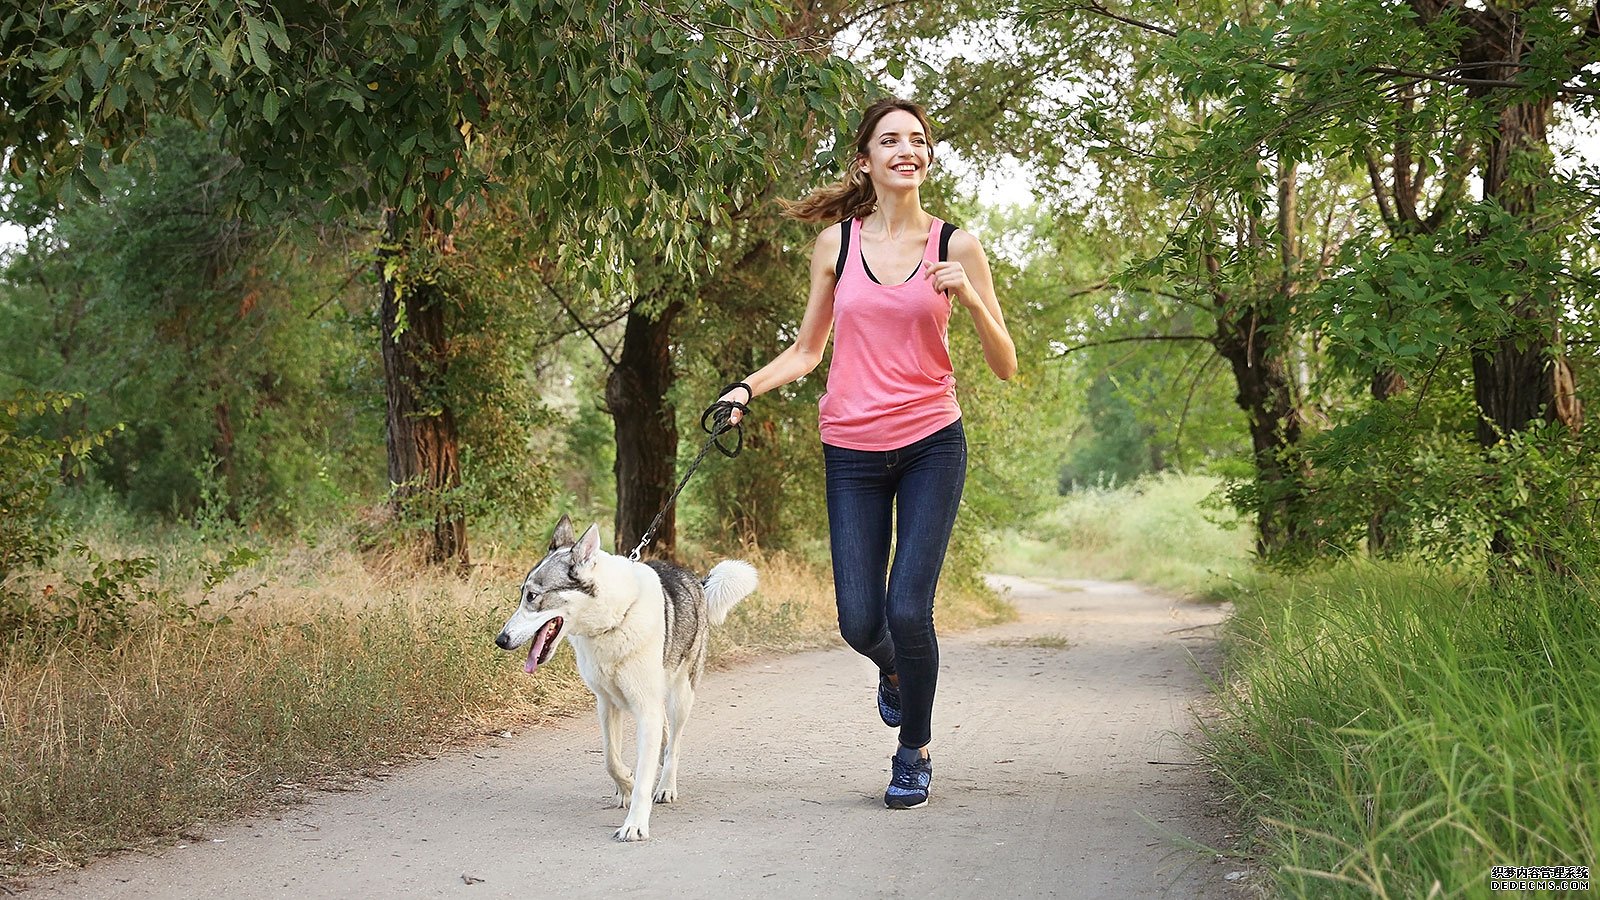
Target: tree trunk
[
  {"x": 424, "y": 453},
  {"x": 1519, "y": 378},
  {"x": 646, "y": 429},
  {"x": 1266, "y": 394},
  {"x": 65, "y": 327}
]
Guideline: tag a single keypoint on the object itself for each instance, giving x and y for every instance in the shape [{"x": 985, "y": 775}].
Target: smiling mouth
[{"x": 543, "y": 644}]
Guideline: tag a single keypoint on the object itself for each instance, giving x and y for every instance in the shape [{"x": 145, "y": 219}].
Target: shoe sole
[{"x": 888, "y": 805}]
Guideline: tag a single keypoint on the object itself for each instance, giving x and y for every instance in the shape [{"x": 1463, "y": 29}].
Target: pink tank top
[{"x": 890, "y": 382}]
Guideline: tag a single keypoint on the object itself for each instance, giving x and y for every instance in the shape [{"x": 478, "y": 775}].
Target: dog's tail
[{"x": 730, "y": 581}]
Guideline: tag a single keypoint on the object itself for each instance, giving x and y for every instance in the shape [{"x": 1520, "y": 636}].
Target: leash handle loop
[{"x": 715, "y": 421}]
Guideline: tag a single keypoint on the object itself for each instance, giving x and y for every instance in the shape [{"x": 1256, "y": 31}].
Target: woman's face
[{"x": 898, "y": 154}]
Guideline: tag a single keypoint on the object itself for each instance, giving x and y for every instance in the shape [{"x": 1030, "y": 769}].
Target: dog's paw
[
  {"x": 628, "y": 833},
  {"x": 667, "y": 795},
  {"x": 622, "y": 798}
]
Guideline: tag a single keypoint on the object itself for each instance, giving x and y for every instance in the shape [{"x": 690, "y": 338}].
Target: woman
[{"x": 893, "y": 445}]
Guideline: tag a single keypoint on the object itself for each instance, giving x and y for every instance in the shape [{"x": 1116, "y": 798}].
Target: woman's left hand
[{"x": 950, "y": 278}]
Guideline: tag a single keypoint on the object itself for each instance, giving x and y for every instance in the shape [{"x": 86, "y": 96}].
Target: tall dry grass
[
  {"x": 315, "y": 665},
  {"x": 178, "y": 723}
]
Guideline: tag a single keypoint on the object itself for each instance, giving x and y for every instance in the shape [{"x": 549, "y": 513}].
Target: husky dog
[{"x": 640, "y": 632}]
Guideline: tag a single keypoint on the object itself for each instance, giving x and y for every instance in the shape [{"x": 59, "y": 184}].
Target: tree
[
  {"x": 1440, "y": 87},
  {"x": 1223, "y": 263},
  {"x": 735, "y": 224},
  {"x": 227, "y": 349},
  {"x": 610, "y": 128}
]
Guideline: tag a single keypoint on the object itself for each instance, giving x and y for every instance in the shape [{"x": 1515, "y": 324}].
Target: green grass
[
  {"x": 1397, "y": 731},
  {"x": 1155, "y": 532}
]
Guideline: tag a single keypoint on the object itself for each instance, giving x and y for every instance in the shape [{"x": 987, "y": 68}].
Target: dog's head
[{"x": 554, "y": 593}]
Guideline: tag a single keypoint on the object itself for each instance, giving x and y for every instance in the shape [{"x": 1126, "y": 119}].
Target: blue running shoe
[
  {"x": 908, "y": 787},
  {"x": 888, "y": 702}
]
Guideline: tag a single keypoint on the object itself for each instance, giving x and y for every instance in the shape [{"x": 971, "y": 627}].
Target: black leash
[{"x": 715, "y": 422}]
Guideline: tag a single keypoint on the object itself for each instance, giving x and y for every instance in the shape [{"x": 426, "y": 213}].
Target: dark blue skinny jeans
[{"x": 909, "y": 496}]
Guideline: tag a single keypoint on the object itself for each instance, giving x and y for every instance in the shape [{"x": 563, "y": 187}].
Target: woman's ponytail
[{"x": 851, "y": 198}]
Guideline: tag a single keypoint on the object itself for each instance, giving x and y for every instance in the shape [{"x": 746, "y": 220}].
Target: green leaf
[
  {"x": 219, "y": 62},
  {"x": 352, "y": 97},
  {"x": 700, "y": 74},
  {"x": 280, "y": 38},
  {"x": 256, "y": 37},
  {"x": 143, "y": 83},
  {"x": 202, "y": 102},
  {"x": 630, "y": 111},
  {"x": 269, "y": 107}
]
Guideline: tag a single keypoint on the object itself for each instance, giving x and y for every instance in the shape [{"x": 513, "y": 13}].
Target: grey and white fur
[{"x": 640, "y": 633}]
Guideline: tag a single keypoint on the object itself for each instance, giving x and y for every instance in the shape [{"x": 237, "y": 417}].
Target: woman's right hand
[{"x": 735, "y": 393}]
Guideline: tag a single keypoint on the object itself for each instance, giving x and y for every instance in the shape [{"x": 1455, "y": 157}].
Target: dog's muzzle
[{"x": 503, "y": 641}]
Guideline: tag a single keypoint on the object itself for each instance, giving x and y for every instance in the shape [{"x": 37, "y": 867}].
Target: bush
[{"x": 29, "y": 469}]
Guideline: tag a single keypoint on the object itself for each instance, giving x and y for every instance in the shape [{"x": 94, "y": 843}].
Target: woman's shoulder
[
  {"x": 829, "y": 242},
  {"x": 964, "y": 243},
  {"x": 830, "y": 236}
]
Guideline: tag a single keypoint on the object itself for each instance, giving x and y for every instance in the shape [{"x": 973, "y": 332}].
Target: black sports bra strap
[
  {"x": 844, "y": 248},
  {"x": 944, "y": 241}
]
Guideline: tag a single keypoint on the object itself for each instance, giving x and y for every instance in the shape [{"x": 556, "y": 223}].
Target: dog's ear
[
  {"x": 564, "y": 536},
  {"x": 583, "y": 552}
]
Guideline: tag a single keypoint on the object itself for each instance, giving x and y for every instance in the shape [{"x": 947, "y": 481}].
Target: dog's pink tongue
[{"x": 536, "y": 647}]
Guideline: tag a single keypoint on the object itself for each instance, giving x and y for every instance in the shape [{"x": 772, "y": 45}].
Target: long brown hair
[{"x": 854, "y": 197}]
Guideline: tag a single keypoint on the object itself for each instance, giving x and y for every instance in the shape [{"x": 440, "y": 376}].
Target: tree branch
[
  {"x": 337, "y": 292},
  {"x": 1440, "y": 76},
  {"x": 866, "y": 14},
  {"x": 1429, "y": 10},
  {"x": 1138, "y": 337},
  {"x": 583, "y": 326},
  {"x": 1376, "y": 175},
  {"x": 1183, "y": 417}
]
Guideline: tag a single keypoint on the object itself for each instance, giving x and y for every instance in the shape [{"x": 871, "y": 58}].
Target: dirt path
[{"x": 1057, "y": 772}]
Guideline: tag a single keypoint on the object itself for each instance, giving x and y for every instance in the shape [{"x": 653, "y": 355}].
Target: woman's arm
[
  {"x": 966, "y": 277},
  {"x": 815, "y": 326}
]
